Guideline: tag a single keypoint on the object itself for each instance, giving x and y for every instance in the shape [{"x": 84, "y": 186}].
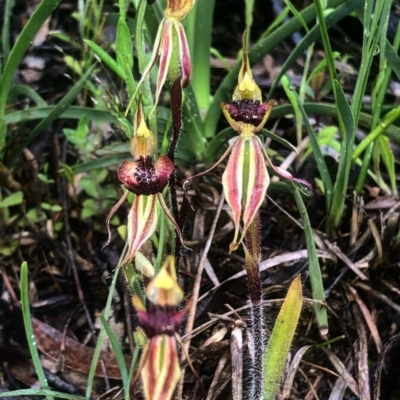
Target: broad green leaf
[
  {"x": 279, "y": 343},
  {"x": 124, "y": 46},
  {"x": 12, "y": 200}
]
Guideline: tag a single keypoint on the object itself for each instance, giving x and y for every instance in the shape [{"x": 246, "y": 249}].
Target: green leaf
[
  {"x": 30, "y": 336},
  {"x": 24, "y": 90},
  {"x": 106, "y": 59},
  {"x": 348, "y": 131},
  {"x": 24, "y": 40},
  {"x": 40, "y": 392},
  {"x": 124, "y": 46},
  {"x": 117, "y": 351},
  {"x": 317, "y": 286},
  {"x": 12, "y": 200},
  {"x": 279, "y": 343},
  {"x": 56, "y": 112},
  {"x": 73, "y": 112}
]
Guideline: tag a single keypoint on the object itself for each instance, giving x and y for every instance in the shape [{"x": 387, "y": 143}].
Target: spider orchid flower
[
  {"x": 147, "y": 180},
  {"x": 159, "y": 363},
  {"x": 246, "y": 179},
  {"x": 171, "y": 48}
]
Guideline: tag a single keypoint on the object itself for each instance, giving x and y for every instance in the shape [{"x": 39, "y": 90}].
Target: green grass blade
[
  {"x": 330, "y": 110},
  {"x": 39, "y": 392},
  {"x": 331, "y": 19},
  {"x": 319, "y": 158},
  {"x": 35, "y": 22},
  {"x": 262, "y": 47},
  {"x": 346, "y": 150},
  {"x": 102, "y": 162},
  {"x": 317, "y": 286},
  {"x": 133, "y": 366},
  {"x": 26, "y": 313},
  {"x": 117, "y": 352},
  {"x": 102, "y": 334},
  {"x": 57, "y": 111},
  {"x": 5, "y": 32},
  {"x": 279, "y": 343},
  {"x": 386, "y": 122},
  {"x": 198, "y": 24},
  {"x": 106, "y": 58},
  {"x": 73, "y": 112},
  {"x": 24, "y": 90}
]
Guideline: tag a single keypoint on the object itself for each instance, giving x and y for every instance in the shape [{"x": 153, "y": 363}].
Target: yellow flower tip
[
  {"x": 137, "y": 303},
  {"x": 247, "y": 85},
  {"x": 164, "y": 290},
  {"x": 178, "y": 9},
  {"x": 233, "y": 247},
  {"x": 143, "y": 130},
  {"x": 163, "y": 280}
]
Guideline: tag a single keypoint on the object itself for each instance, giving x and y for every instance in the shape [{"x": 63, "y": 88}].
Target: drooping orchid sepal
[{"x": 245, "y": 182}]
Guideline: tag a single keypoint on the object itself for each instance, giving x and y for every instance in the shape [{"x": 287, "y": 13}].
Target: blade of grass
[
  {"x": 5, "y": 32},
  {"x": 117, "y": 351},
  {"x": 30, "y": 337},
  {"x": 58, "y": 110},
  {"x": 73, "y": 112},
  {"x": 106, "y": 58},
  {"x": 24, "y": 90},
  {"x": 319, "y": 158},
  {"x": 35, "y": 22},
  {"x": 39, "y": 392},
  {"x": 102, "y": 334},
  {"x": 133, "y": 364},
  {"x": 279, "y": 343},
  {"x": 317, "y": 286},
  {"x": 199, "y": 24},
  {"x": 348, "y": 131}
]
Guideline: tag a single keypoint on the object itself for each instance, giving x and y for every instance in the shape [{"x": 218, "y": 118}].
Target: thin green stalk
[
  {"x": 5, "y": 32},
  {"x": 378, "y": 96},
  {"x": 24, "y": 40},
  {"x": 317, "y": 286},
  {"x": 102, "y": 334},
  {"x": 387, "y": 120},
  {"x": 30, "y": 336}
]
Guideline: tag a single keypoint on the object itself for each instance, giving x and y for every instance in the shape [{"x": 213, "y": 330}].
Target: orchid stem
[{"x": 252, "y": 258}]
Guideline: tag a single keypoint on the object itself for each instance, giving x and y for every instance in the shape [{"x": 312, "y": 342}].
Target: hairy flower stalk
[
  {"x": 147, "y": 180},
  {"x": 171, "y": 48},
  {"x": 159, "y": 363}
]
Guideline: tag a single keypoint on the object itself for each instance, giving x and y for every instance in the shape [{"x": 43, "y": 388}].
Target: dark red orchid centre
[
  {"x": 247, "y": 111},
  {"x": 160, "y": 320},
  {"x": 143, "y": 177}
]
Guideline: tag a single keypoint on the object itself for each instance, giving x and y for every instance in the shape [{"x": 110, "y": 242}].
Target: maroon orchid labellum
[
  {"x": 147, "y": 181},
  {"x": 159, "y": 363},
  {"x": 170, "y": 43},
  {"x": 246, "y": 178}
]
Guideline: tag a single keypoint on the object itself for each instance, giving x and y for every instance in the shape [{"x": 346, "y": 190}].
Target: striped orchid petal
[
  {"x": 184, "y": 55},
  {"x": 160, "y": 372},
  {"x": 257, "y": 181},
  {"x": 142, "y": 222},
  {"x": 232, "y": 182}
]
